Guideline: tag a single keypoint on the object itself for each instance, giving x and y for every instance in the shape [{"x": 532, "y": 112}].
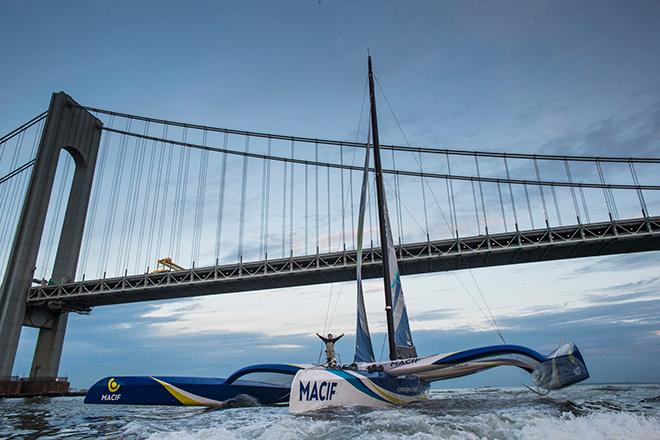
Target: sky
[{"x": 559, "y": 77}]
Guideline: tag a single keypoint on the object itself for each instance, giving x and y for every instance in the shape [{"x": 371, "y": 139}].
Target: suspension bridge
[{"x": 91, "y": 199}]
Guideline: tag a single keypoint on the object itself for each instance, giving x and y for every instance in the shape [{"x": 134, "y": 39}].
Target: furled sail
[
  {"x": 402, "y": 335},
  {"x": 364, "y": 351}
]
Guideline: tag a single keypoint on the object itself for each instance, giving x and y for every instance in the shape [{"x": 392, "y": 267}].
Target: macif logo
[
  {"x": 323, "y": 391},
  {"x": 113, "y": 386}
]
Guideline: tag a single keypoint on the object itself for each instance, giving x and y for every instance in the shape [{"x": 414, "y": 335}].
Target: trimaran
[{"x": 405, "y": 378}]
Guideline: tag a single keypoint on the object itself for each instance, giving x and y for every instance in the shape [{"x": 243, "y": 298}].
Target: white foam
[{"x": 597, "y": 426}]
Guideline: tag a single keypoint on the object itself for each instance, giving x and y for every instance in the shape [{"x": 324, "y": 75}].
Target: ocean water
[{"x": 580, "y": 412}]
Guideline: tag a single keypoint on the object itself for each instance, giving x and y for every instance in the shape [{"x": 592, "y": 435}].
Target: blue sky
[{"x": 564, "y": 77}]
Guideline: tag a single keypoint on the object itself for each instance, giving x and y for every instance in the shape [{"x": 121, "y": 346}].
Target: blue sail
[
  {"x": 364, "y": 351},
  {"x": 402, "y": 336}
]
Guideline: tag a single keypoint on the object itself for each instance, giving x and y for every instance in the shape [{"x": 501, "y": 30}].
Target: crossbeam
[{"x": 586, "y": 240}]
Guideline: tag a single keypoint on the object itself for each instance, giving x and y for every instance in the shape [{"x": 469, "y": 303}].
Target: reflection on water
[{"x": 584, "y": 412}]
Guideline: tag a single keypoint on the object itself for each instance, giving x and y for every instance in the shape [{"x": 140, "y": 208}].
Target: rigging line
[
  {"x": 398, "y": 172},
  {"x": 476, "y": 303},
  {"x": 241, "y": 230},
  {"x": 483, "y": 298},
  {"x": 267, "y": 214},
  {"x": 22, "y": 128},
  {"x": 157, "y": 200},
  {"x": 405, "y": 207},
  {"x": 291, "y": 199},
  {"x": 419, "y": 163},
  {"x": 334, "y": 310},
  {"x": 327, "y": 309},
  {"x": 443, "y": 151},
  {"x": 221, "y": 201}
]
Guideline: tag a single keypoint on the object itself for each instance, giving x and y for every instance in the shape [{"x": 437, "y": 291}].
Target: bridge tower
[{"x": 72, "y": 128}]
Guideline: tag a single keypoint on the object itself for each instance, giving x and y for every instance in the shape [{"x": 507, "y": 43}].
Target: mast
[{"x": 382, "y": 221}]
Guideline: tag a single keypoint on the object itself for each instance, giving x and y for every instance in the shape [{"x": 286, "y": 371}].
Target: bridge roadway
[{"x": 587, "y": 240}]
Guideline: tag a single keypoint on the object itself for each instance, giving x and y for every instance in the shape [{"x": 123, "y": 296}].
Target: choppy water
[{"x": 581, "y": 412}]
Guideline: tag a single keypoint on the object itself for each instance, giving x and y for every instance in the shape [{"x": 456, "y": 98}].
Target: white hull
[{"x": 318, "y": 388}]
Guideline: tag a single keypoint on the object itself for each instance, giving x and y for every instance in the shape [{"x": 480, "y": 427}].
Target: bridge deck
[{"x": 587, "y": 240}]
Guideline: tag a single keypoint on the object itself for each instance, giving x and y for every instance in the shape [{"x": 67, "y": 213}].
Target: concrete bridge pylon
[{"x": 71, "y": 128}]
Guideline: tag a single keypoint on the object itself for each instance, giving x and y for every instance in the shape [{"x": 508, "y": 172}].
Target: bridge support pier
[{"x": 68, "y": 127}]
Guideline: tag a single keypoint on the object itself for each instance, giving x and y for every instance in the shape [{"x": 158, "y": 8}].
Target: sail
[
  {"x": 364, "y": 351},
  {"x": 404, "y": 347}
]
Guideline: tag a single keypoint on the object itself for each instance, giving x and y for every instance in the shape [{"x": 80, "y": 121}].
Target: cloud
[{"x": 630, "y": 130}]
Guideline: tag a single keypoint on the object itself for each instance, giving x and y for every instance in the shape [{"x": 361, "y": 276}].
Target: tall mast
[{"x": 382, "y": 217}]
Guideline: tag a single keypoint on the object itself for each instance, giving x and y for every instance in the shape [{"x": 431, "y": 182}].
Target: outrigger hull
[{"x": 267, "y": 384}]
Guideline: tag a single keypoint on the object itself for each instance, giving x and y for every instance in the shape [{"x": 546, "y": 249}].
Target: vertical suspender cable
[
  {"x": 285, "y": 174},
  {"x": 481, "y": 192},
  {"x": 267, "y": 204},
  {"x": 316, "y": 193},
  {"x": 184, "y": 193},
  {"x": 164, "y": 204},
  {"x": 640, "y": 194},
  {"x": 241, "y": 230},
  {"x": 513, "y": 202},
  {"x": 291, "y": 199},
  {"x": 570, "y": 180},
  {"x": 221, "y": 201},
  {"x": 499, "y": 192},
  {"x": 545, "y": 208},
  {"x": 529, "y": 207},
  {"x": 476, "y": 211},
  {"x": 262, "y": 238},
  {"x": 453, "y": 203},
  {"x": 329, "y": 214},
  {"x": 147, "y": 205},
  {"x": 343, "y": 208},
  {"x": 151, "y": 243},
  {"x": 96, "y": 192},
  {"x": 306, "y": 209}
]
